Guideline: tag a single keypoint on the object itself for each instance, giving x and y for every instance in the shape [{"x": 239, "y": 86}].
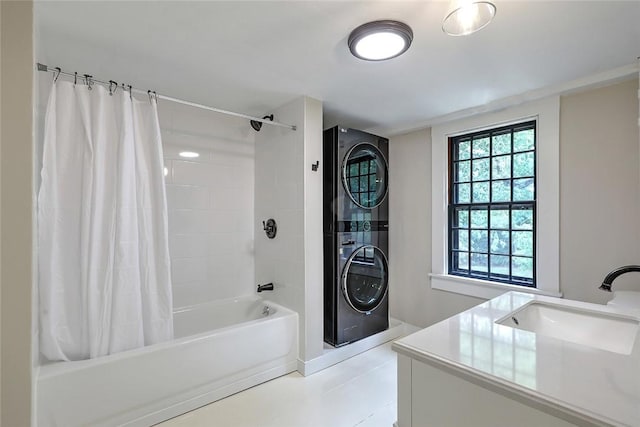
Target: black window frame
[{"x": 454, "y": 206}]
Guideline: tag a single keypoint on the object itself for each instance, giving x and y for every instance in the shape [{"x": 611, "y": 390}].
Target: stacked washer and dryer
[{"x": 356, "y": 221}]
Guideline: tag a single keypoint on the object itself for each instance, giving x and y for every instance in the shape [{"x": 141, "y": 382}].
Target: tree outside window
[{"x": 492, "y": 204}]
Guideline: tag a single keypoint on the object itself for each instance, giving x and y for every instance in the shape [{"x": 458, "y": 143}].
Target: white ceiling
[{"x": 252, "y": 57}]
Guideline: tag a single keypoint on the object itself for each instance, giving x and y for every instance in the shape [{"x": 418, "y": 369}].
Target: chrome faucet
[
  {"x": 267, "y": 287},
  {"x": 608, "y": 281},
  {"x": 265, "y": 310}
]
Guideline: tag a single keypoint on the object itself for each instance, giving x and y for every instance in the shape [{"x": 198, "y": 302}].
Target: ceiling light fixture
[
  {"x": 467, "y": 16},
  {"x": 380, "y": 40}
]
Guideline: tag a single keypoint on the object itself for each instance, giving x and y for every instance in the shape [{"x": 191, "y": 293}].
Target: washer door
[
  {"x": 364, "y": 175},
  {"x": 365, "y": 279}
]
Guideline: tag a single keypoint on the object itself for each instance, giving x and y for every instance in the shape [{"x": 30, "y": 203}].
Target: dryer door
[
  {"x": 364, "y": 175},
  {"x": 365, "y": 279}
]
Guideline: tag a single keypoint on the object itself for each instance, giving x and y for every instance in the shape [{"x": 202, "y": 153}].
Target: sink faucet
[
  {"x": 267, "y": 287},
  {"x": 606, "y": 283}
]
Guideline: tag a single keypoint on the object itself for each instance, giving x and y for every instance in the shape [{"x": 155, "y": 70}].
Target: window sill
[{"x": 481, "y": 288}]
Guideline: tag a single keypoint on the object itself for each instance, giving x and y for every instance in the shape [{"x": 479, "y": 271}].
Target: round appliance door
[
  {"x": 364, "y": 175},
  {"x": 365, "y": 279}
]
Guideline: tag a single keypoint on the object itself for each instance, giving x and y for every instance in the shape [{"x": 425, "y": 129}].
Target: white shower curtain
[{"x": 104, "y": 270}]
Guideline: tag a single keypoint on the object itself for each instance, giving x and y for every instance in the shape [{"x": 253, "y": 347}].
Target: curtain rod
[{"x": 88, "y": 79}]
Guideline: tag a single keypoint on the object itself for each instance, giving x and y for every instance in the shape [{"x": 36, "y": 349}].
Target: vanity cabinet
[
  {"x": 501, "y": 364},
  {"x": 432, "y": 397}
]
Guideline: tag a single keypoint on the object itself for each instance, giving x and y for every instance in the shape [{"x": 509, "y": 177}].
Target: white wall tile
[
  {"x": 222, "y": 221},
  {"x": 188, "y": 245},
  {"x": 243, "y": 222},
  {"x": 211, "y": 205},
  {"x": 189, "y": 221},
  {"x": 193, "y": 173},
  {"x": 188, "y": 196},
  {"x": 222, "y": 268},
  {"x": 224, "y": 176},
  {"x": 289, "y": 272},
  {"x": 245, "y": 271},
  {"x": 174, "y": 144},
  {"x": 226, "y": 198},
  {"x": 288, "y": 196},
  {"x": 185, "y": 270},
  {"x": 219, "y": 243},
  {"x": 291, "y": 224},
  {"x": 191, "y": 293}
]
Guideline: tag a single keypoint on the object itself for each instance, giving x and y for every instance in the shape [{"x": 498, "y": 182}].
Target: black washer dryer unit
[
  {"x": 356, "y": 299},
  {"x": 356, "y": 178}
]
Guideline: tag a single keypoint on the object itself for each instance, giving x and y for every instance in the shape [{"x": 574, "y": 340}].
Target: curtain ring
[
  {"x": 113, "y": 86},
  {"x": 87, "y": 80},
  {"x": 131, "y": 92},
  {"x": 75, "y": 78},
  {"x": 56, "y": 74},
  {"x": 153, "y": 96}
]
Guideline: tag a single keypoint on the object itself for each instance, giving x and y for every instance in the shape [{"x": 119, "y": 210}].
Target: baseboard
[{"x": 332, "y": 355}]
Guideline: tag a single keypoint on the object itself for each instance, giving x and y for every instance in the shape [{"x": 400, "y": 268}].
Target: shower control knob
[{"x": 270, "y": 228}]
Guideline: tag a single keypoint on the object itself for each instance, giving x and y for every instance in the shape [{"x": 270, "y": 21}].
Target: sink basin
[{"x": 615, "y": 333}]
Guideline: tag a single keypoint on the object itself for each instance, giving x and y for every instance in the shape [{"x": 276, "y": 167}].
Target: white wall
[
  {"x": 599, "y": 190},
  {"x": 313, "y": 244},
  {"x": 599, "y": 205},
  {"x": 211, "y": 203},
  {"x": 0, "y": 219},
  {"x": 411, "y": 298},
  {"x": 16, "y": 176},
  {"x": 287, "y": 192}
]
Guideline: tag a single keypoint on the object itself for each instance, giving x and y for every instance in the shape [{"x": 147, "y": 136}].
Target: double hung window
[{"x": 492, "y": 204}]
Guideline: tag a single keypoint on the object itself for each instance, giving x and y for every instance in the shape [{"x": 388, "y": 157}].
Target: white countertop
[{"x": 586, "y": 383}]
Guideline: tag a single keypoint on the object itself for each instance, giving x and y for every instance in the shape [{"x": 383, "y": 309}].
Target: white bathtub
[{"x": 220, "y": 348}]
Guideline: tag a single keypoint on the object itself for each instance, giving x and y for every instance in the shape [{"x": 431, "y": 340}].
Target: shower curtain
[{"x": 104, "y": 270}]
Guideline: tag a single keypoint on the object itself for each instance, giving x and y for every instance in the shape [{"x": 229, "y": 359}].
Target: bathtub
[{"x": 220, "y": 348}]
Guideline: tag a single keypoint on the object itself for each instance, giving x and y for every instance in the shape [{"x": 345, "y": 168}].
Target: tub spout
[{"x": 267, "y": 287}]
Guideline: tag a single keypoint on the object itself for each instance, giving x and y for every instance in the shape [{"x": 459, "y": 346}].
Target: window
[
  {"x": 546, "y": 269},
  {"x": 492, "y": 204}
]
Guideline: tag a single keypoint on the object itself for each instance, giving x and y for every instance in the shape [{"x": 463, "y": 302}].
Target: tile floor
[{"x": 360, "y": 391}]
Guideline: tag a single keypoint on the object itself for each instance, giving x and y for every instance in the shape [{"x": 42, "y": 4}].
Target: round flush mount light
[
  {"x": 467, "y": 16},
  {"x": 380, "y": 40}
]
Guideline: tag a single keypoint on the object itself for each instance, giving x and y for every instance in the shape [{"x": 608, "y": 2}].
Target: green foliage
[
  {"x": 500, "y": 169},
  {"x": 500, "y": 218},
  {"x": 501, "y": 144},
  {"x": 523, "y": 140},
  {"x": 480, "y": 147}
]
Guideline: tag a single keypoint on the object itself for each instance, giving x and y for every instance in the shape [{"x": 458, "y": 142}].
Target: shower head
[{"x": 256, "y": 125}]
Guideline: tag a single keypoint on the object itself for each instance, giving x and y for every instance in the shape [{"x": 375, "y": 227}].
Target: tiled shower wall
[{"x": 211, "y": 203}]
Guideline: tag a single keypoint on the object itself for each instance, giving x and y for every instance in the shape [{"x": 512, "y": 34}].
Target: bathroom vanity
[{"x": 523, "y": 360}]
